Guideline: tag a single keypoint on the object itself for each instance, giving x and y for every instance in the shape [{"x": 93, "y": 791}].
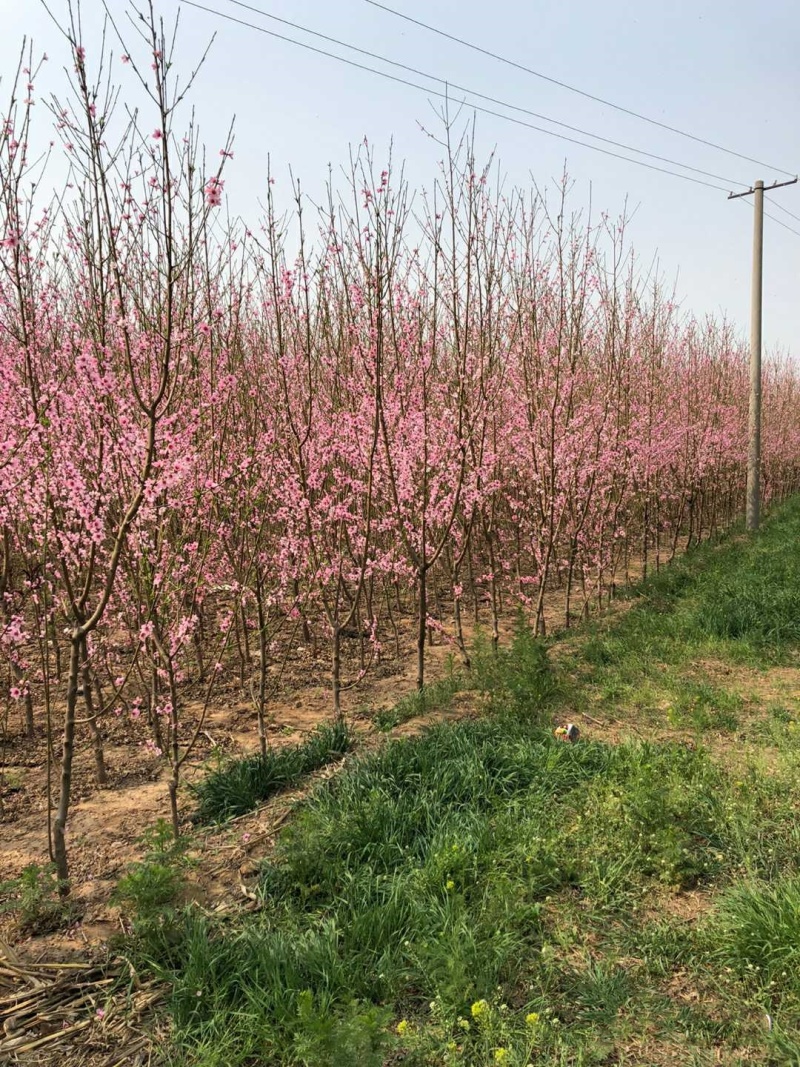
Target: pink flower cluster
[{"x": 213, "y": 191}]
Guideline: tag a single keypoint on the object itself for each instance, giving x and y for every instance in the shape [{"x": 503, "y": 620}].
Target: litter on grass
[{"x": 569, "y": 733}]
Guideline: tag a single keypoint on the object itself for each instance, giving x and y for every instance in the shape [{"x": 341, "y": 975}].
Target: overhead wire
[
  {"x": 791, "y": 214},
  {"x": 780, "y": 222},
  {"x": 479, "y": 95},
  {"x": 748, "y": 203},
  {"x": 575, "y": 89},
  {"x": 446, "y": 96}
]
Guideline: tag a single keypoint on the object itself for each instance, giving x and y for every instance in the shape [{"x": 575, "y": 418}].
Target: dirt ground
[{"x": 106, "y": 822}]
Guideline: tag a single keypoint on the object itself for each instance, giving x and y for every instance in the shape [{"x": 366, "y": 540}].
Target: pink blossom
[{"x": 213, "y": 192}]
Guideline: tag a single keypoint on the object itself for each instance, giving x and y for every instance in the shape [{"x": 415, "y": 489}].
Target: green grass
[
  {"x": 483, "y": 893},
  {"x": 467, "y": 864},
  {"x": 239, "y": 786},
  {"x": 436, "y": 696},
  {"x": 733, "y": 602},
  {"x": 757, "y": 934}
]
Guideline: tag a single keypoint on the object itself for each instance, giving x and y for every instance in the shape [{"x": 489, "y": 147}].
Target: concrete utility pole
[
  {"x": 753, "y": 507},
  {"x": 754, "y": 416}
]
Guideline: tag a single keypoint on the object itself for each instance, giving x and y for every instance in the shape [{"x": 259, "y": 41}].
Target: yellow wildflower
[
  {"x": 501, "y": 1055},
  {"x": 450, "y": 884},
  {"x": 532, "y": 1019},
  {"x": 479, "y": 1009},
  {"x": 402, "y": 1026}
]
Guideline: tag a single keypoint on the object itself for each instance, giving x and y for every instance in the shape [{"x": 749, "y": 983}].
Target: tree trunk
[
  {"x": 29, "y": 723},
  {"x": 175, "y": 751},
  {"x": 67, "y": 753},
  {"x": 100, "y": 773},
  {"x": 262, "y": 670},
  {"x": 460, "y": 632},
  {"x": 422, "y": 578},
  {"x": 173, "y": 804},
  {"x": 392, "y": 620},
  {"x": 337, "y": 673}
]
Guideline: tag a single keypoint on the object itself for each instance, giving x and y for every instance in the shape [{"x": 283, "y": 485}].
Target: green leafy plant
[
  {"x": 356, "y": 1033},
  {"x": 34, "y": 897},
  {"x": 519, "y": 678},
  {"x": 151, "y": 888}
]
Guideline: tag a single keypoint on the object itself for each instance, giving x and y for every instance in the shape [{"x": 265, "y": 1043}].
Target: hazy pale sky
[{"x": 725, "y": 70}]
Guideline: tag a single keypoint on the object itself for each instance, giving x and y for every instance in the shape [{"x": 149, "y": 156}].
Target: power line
[
  {"x": 780, "y": 222},
  {"x": 572, "y": 88},
  {"x": 482, "y": 96},
  {"x": 780, "y": 207},
  {"x": 444, "y": 96},
  {"x": 774, "y": 218}
]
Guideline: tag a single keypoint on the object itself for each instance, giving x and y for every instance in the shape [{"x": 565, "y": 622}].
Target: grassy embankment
[{"x": 485, "y": 894}]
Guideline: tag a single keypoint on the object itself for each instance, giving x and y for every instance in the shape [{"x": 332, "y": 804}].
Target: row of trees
[{"x": 217, "y": 444}]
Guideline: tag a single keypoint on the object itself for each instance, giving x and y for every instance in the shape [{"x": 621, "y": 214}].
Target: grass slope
[{"x": 485, "y": 894}]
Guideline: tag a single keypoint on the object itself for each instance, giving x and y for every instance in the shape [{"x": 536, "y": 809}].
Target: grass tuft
[
  {"x": 757, "y": 933},
  {"x": 436, "y": 696},
  {"x": 241, "y": 785}
]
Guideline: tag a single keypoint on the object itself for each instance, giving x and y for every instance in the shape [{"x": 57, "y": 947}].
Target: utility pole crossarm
[{"x": 765, "y": 188}]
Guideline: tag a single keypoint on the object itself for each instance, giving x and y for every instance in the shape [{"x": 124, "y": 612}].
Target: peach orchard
[{"x": 218, "y": 443}]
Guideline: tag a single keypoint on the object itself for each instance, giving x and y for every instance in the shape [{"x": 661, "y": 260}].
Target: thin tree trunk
[
  {"x": 100, "y": 772},
  {"x": 422, "y": 575},
  {"x": 175, "y": 752},
  {"x": 460, "y": 630},
  {"x": 570, "y": 572},
  {"x": 197, "y": 640},
  {"x": 337, "y": 673},
  {"x": 53, "y": 631},
  {"x": 67, "y": 753},
  {"x": 248, "y": 655},
  {"x": 392, "y": 620},
  {"x": 262, "y": 669}
]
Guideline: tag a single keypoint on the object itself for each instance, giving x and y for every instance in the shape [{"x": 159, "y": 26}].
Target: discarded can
[{"x": 569, "y": 733}]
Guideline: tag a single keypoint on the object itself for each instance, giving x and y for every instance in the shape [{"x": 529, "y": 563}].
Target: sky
[{"x": 723, "y": 70}]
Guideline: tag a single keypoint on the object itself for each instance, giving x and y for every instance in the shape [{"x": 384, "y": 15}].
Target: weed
[
  {"x": 34, "y": 897},
  {"x": 241, "y": 785},
  {"x": 519, "y": 678},
  {"x": 151, "y": 888},
  {"x": 704, "y": 707},
  {"x": 357, "y": 1033}
]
